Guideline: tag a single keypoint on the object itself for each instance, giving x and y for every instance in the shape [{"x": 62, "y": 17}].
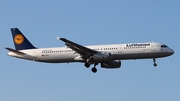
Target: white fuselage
[{"x": 118, "y": 51}]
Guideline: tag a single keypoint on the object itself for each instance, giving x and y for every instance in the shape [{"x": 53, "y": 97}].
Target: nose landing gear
[{"x": 154, "y": 60}]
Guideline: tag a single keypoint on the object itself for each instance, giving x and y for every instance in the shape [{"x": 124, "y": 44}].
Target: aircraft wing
[{"x": 78, "y": 48}]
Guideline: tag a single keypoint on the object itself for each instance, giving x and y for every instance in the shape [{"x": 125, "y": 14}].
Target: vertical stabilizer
[{"x": 20, "y": 41}]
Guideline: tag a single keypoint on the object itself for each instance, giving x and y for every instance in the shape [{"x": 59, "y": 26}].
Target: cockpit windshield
[{"x": 164, "y": 46}]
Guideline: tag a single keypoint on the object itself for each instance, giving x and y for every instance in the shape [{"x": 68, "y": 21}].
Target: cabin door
[
  {"x": 153, "y": 47},
  {"x": 119, "y": 49},
  {"x": 35, "y": 54}
]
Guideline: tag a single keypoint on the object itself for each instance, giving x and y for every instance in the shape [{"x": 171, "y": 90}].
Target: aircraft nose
[{"x": 171, "y": 51}]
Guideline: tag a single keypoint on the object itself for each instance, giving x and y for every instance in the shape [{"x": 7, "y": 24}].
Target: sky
[{"x": 90, "y": 22}]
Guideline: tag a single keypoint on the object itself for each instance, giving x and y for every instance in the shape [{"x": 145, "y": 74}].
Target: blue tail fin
[{"x": 20, "y": 41}]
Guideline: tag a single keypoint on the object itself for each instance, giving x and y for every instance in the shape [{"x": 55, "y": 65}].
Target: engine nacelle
[
  {"x": 101, "y": 56},
  {"x": 111, "y": 64}
]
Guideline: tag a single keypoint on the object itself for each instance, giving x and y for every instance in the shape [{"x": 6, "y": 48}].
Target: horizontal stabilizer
[{"x": 14, "y": 51}]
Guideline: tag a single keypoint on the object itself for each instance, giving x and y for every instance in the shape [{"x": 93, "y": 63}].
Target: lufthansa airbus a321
[{"x": 108, "y": 56}]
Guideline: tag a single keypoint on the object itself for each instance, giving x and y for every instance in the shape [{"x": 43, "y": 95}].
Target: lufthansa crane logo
[{"x": 19, "y": 39}]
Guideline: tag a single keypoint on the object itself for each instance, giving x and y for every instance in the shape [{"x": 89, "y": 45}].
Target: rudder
[{"x": 20, "y": 41}]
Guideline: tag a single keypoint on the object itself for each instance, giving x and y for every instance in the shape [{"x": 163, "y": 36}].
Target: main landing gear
[
  {"x": 154, "y": 60},
  {"x": 87, "y": 65},
  {"x": 94, "y": 70}
]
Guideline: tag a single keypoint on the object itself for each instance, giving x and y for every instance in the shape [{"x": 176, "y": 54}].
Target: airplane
[{"x": 108, "y": 56}]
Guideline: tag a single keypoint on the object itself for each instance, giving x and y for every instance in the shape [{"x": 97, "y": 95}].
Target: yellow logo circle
[{"x": 19, "y": 39}]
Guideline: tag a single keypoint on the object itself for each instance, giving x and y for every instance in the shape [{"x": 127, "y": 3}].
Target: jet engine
[{"x": 111, "y": 64}]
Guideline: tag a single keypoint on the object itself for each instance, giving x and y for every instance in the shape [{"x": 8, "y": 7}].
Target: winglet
[{"x": 58, "y": 38}]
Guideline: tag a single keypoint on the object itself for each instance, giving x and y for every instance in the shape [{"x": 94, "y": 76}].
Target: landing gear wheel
[
  {"x": 154, "y": 60},
  {"x": 155, "y": 64},
  {"x": 87, "y": 65},
  {"x": 94, "y": 70}
]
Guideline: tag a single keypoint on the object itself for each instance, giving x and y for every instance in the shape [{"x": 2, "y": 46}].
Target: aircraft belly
[
  {"x": 138, "y": 56},
  {"x": 57, "y": 58}
]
